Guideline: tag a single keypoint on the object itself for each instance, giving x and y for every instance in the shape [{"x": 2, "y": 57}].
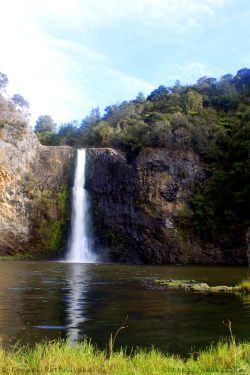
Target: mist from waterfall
[{"x": 81, "y": 245}]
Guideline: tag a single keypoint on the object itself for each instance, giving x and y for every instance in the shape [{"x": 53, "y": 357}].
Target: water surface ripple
[{"x": 69, "y": 300}]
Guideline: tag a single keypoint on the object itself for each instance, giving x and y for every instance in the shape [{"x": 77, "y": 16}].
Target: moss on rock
[{"x": 243, "y": 287}]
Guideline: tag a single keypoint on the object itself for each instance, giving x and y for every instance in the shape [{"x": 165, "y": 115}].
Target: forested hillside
[{"x": 211, "y": 117}]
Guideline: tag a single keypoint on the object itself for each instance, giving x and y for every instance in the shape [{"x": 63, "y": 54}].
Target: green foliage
[
  {"x": 13, "y": 112},
  {"x": 244, "y": 287},
  {"x": 159, "y": 94},
  {"x": 62, "y": 201},
  {"x": 53, "y": 233},
  {"x": 211, "y": 117},
  {"x": 29, "y": 182},
  {"x": 46, "y": 131},
  {"x": 110, "y": 234},
  {"x": 2, "y": 124},
  {"x": 49, "y": 139},
  {"x": 45, "y": 124},
  {"x": 194, "y": 101},
  {"x": 222, "y": 205},
  {"x": 3, "y": 81},
  {"x": 19, "y": 100},
  {"x": 140, "y": 98},
  {"x": 92, "y": 120}
]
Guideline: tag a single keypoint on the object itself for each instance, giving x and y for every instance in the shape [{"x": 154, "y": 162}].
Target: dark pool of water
[{"x": 49, "y": 300}]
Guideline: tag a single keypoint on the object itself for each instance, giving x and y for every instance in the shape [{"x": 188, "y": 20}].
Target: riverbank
[{"x": 60, "y": 357}]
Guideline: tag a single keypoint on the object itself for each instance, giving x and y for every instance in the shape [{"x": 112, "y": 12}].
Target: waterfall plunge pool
[{"x": 71, "y": 300}]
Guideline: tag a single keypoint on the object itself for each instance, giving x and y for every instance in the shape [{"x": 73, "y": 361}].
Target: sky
[{"x": 66, "y": 57}]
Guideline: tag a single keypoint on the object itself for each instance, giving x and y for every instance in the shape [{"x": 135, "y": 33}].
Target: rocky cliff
[
  {"x": 136, "y": 207},
  {"x": 34, "y": 193}
]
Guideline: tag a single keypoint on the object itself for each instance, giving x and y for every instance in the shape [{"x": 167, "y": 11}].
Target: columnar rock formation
[{"x": 136, "y": 207}]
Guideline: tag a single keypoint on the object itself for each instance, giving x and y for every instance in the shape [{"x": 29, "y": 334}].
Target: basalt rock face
[
  {"x": 111, "y": 183},
  {"x": 136, "y": 207},
  {"x": 33, "y": 193}
]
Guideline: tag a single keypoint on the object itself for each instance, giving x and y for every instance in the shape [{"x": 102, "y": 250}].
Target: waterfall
[{"x": 81, "y": 245}]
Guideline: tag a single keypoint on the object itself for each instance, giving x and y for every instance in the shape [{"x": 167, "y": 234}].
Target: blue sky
[{"x": 69, "y": 56}]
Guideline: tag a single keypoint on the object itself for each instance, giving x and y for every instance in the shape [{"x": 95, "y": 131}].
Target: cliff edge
[{"x": 34, "y": 193}]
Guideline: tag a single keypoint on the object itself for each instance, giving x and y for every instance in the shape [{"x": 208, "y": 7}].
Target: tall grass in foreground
[{"x": 60, "y": 357}]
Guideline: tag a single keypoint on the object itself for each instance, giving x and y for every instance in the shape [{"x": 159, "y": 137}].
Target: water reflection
[
  {"x": 41, "y": 300},
  {"x": 246, "y": 303},
  {"x": 8, "y": 311},
  {"x": 78, "y": 280}
]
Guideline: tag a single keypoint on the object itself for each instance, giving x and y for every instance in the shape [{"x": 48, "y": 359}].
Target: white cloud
[
  {"x": 67, "y": 56},
  {"x": 84, "y": 14},
  {"x": 57, "y": 76}
]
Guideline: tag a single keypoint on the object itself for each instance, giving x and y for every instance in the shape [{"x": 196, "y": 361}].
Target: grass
[
  {"x": 243, "y": 287},
  {"x": 18, "y": 256},
  {"x": 60, "y": 357},
  {"x": 63, "y": 357}
]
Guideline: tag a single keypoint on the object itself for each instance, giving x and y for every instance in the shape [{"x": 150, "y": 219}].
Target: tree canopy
[
  {"x": 210, "y": 117},
  {"x": 3, "y": 81},
  {"x": 45, "y": 124},
  {"x": 46, "y": 130},
  {"x": 20, "y": 101}
]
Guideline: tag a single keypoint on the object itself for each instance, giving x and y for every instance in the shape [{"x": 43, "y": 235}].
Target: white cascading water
[{"x": 81, "y": 245}]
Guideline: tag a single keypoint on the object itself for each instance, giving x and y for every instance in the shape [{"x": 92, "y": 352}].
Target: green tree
[
  {"x": 45, "y": 124},
  {"x": 92, "y": 119},
  {"x": 194, "y": 101},
  {"x": 3, "y": 81},
  {"x": 177, "y": 83},
  {"x": 159, "y": 94},
  {"x": 45, "y": 130},
  {"x": 20, "y": 101},
  {"x": 140, "y": 98}
]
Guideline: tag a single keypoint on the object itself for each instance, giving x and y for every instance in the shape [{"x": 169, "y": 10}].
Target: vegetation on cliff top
[
  {"x": 13, "y": 112},
  {"x": 210, "y": 117}
]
